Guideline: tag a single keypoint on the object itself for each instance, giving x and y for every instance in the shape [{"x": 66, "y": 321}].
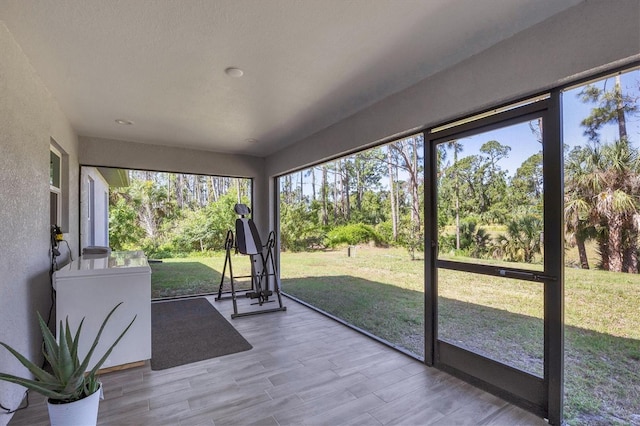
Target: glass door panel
[
  {"x": 490, "y": 197},
  {"x": 498, "y": 318},
  {"x": 490, "y": 218}
]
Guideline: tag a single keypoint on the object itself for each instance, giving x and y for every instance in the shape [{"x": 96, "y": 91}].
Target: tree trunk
[
  {"x": 631, "y": 259},
  {"x": 410, "y": 160},
  {"x": 456, "y": 185},
  {"x": 346, "y": 189},
  {"x": 414, "y": 189},
  {"x": 301, "y": 187},
  {"x": 325, "y": 188},
  {"x": 216, "y": 188},
  {"x": 313, "y": 183},
  {"x": 209, "y": 189},
  {"x": 179, "y": 190},
  {"x": 196, "y": 190},
  {"x": 630, "y": 256},
  {"x": 622, "y": 123},
  {"x": 288, "y": 190},
  {"x": 398, "y": 189},
  {"x": 335, "y": 190},
  {"x": 615, "y": 245},
  {"x": 582, "y": 252},
  {"x": 361, "y": 174},
  {"x": 603, "y": 249},
  {"x": 392, "y": 197}
]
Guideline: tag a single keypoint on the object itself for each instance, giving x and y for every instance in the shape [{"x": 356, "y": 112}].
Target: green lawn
[
  {"x": 193, "y": 275},
  {"x": 381, "y": 291}
]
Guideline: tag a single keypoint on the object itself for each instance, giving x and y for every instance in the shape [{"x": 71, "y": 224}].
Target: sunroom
[{"x": 262, "y": 90}]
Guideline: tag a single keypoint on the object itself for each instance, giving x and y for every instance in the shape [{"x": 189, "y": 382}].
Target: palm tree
[
  {"x": 618, "y": 202},
  {"x": 608, "y": 186},
  {"x": 522, "y": 240},
  {"x": 581, "y": 182},
  {"x": 602, "y": 198},
  {"x": 577, "y": 227}
]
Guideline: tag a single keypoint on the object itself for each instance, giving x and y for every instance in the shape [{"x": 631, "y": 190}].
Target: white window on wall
[
  {"x": 58, "y": 186},
  {"x": 55, "y": 186}
]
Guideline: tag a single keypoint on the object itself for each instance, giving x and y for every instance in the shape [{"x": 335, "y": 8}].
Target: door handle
[{"x": 529, "y": 276}]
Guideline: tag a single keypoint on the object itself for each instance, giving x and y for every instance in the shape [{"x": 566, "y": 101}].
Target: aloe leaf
[
  {"x": 75, "y": 344},
  {"x": 34, "y": 385},
  {"x": 38, "y": 372},
  {"x": 52, "y": 354},
  {"x": 96, "y": 367},
  {"x": 87, "y": 359},
  {"x": 69, "y": 338},
  {"x": 74, "y": 387},
  {"x": 49, "y": 342},
  {"x": 66, "y": 366},
  {"x": 91, "y": 385},
  {"x": 68, "y": 381}
]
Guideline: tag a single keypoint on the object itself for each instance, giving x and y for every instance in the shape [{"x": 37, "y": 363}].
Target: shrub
[
  {"x": 522, "y": 241},
  {"x": 474, "y": 240},
  {"x": 298, "y": 229},
  {"x": 385, "y": 231},
  {"x": 352, "y": 234}
]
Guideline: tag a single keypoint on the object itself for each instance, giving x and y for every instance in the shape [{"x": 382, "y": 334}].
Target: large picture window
[
  {"x": 352, "y": 240},
  {"x": 601, "y": 127},
  {"x": 180, "y": 221},
  {"x": 355, "y": 240}
]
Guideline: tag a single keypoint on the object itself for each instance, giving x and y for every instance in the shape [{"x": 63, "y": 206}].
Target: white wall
[
  {"x": 29, "y": 118},
  {"x": 577, "y": 41}
]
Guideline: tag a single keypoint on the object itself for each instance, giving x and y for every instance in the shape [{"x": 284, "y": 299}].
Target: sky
[
  {"x": 523, "y": 142},
  {"x": 573, "y": 111}
]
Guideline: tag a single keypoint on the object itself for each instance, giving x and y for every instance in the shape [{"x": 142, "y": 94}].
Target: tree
[
  {"x": 392, "y": 196},
  {"x": 481, "y": 187},
  {"x": 312, "y": 172},
  {"x": 578, "y": 199},
  {"x": 496, "y": 152},
  {"x": 123, "y": 228},
  {"x": 345, "y": 176},
  {"x": 457, "y": 149},
  {"x": 527, "y": 182},
  {"x": 408, "y": 151},
  {"x": 324, "y": 196},
  {"x": 614, "y": 177}
]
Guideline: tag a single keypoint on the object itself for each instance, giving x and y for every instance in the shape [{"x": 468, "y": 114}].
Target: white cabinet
[{"x": 90, "y": 287}]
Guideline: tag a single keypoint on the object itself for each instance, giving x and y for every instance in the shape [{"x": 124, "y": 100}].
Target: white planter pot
[{"x": 83, "y": 412}]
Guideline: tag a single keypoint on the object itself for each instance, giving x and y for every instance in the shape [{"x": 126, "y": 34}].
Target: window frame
[{"x": 55, "y": 191}]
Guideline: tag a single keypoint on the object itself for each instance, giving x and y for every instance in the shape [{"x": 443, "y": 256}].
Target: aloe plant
[{"x": 67, "y": 381}]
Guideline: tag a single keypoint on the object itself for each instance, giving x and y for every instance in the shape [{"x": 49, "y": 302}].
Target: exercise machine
[{"x": 263, "y": 266}]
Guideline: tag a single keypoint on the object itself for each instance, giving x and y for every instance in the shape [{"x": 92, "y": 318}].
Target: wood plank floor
[{"x": 304, "y": 369}]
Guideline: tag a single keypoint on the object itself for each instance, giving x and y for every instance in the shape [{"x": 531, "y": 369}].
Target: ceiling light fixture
[
  {"x": 251, "y": 140},
  {"x": 124, "y": 122},
  {"x": 234, "y": 72}
]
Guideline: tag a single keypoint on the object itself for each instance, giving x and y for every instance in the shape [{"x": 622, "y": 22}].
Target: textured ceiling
[{"x": 307, "y": 63}]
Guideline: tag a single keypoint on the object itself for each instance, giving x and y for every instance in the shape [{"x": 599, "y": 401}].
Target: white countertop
[{"x": 117, "y": 262}]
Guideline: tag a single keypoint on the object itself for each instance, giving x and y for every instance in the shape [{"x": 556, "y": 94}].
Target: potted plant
[{"x": 70, "y": 389}]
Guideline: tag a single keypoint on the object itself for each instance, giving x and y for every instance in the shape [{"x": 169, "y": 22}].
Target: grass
[
  {"x": 381, "y": 291},
  {"x": 193, "y": 275}
]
